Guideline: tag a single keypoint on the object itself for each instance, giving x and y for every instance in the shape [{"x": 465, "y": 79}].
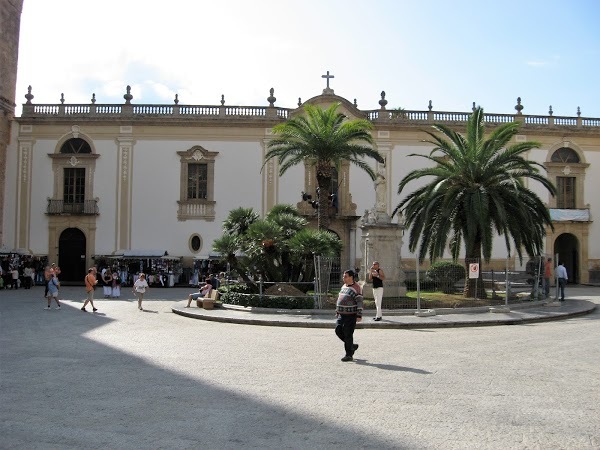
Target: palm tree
[
  {"x": 325, "y": 138},
  {"x": 478, "y": 190},
  {"x": 278, "y": 247}
]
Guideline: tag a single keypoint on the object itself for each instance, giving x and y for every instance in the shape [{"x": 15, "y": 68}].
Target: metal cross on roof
[{"x": 327, "y": 77}]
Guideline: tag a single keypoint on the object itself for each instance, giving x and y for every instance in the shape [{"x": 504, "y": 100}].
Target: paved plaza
[{"x": 128, "y": 379}]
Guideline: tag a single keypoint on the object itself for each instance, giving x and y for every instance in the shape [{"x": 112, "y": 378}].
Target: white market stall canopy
[{"x": 141, "y": 253}]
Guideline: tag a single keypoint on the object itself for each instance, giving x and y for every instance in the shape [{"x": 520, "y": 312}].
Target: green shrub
[
  {"x": 445, "y": 274},
  {"x": 284, "y": 302},
  {"x": 426, "y": 285}
]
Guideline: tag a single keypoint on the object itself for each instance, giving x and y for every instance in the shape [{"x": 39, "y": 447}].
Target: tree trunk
[{"x": 323, "y": 181}]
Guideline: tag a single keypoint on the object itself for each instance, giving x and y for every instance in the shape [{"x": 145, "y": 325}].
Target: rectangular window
[
  {"x": 565, "y": 198},
  {"x": 74, "y": 185},
  {"x": 197, "y": 187}
]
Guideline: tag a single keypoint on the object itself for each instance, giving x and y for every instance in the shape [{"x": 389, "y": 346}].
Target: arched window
[
  {"x": 566, "y": 168},
  {"x": 76, "y": 145},
  {"x": 565, "y": 155}
]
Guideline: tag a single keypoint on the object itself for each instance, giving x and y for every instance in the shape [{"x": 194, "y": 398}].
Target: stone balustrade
[{"x": 277, "y": 114}]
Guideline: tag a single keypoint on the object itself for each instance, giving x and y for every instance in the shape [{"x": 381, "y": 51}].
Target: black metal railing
[{"x": 87, "y": 207}]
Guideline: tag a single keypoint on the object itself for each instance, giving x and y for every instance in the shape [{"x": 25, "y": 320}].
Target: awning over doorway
[
  {"x": 141, "y": 253},
  {"x": 570, "y": 215}
]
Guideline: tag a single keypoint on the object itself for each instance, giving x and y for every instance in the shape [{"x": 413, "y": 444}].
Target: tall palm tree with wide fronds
[
  {"x": 325, "y": 138},
  {"x": 478, "y": 190}
]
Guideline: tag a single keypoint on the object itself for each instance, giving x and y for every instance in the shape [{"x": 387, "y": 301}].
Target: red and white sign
[{"x": 474, "y": 270}]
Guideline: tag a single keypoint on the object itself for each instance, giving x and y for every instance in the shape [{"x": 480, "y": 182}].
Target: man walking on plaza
[
  {"x": 561, "y": 273},
  {"x": 547, "y": 277},
  {"x": 348, "y": 311}
]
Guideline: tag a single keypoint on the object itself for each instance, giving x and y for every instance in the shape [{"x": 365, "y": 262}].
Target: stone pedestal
[{"x": 381, "y": 241}]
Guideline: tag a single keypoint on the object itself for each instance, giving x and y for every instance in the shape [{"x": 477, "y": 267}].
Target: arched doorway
[
  {"x": 567, "y": 247},
  {"x": 71, "y": 255}
]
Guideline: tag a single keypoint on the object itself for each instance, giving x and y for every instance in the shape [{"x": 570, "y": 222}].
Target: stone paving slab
[{"x": 128, "y": 379}]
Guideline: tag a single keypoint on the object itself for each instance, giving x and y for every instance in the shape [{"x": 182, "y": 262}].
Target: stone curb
[{"x": 305, "y": 319}]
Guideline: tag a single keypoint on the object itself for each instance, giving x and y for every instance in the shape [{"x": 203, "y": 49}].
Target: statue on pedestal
[{"x": 380, "y": 190}]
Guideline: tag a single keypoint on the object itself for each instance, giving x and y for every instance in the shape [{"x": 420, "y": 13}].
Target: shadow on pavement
[{"x": 61, "y": 389}]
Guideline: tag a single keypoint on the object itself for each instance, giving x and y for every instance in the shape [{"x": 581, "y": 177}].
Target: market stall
[{"x": 161, "y": 269}]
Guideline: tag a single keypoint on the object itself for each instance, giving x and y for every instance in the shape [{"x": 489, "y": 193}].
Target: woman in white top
[{"x": 139, "y": 289}]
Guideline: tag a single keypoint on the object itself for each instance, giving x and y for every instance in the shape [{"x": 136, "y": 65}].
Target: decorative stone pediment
[{"x": 196, "y": 154}]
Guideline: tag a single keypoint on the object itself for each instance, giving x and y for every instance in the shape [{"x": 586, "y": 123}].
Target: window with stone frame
[
  {"x": 74, "y": 162},
  {"x": 197, "y": 183},
  {"x": 73, "y": 185},
  {"x": 566, "y": 167},
  {"x": 341, "y": 201},
  {"x": 196, "y": 200},
  {"x": 565, "y": 193}
]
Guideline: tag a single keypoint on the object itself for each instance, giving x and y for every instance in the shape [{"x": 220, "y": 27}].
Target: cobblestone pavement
[{"x": 123, "y": 378}]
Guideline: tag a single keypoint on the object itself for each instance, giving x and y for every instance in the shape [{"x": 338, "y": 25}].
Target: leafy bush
[
  {"x": 445, "y": 274},
  {"x": 426, "y": 285},
  {"x": 284, "y": 302}
]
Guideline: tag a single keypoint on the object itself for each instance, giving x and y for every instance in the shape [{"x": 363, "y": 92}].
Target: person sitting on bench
[{"x": 204, "y": 292}]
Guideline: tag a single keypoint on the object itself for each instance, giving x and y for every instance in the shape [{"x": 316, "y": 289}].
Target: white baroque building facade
[{"x": 106, "y": 179}]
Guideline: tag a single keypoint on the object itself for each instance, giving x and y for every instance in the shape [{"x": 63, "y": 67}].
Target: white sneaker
[
  {"x": 58, "y": 307},
  {"x": 47, "y": 308}
]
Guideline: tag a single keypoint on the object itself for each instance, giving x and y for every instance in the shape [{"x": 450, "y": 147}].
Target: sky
[{"x": 452, "y": 53}]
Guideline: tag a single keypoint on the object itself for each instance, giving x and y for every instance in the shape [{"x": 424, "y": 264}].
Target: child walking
[
  {"x": 53, "y": 286},
  {"x": 139, "y": 289}
]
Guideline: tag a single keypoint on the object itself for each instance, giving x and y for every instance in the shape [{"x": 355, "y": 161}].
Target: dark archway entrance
[
  {"x": 567, "y": 247},
  {"x": 71, "y": 255}
]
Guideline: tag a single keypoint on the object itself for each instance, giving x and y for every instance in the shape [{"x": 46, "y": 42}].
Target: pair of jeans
[
  {"x": 547, "y": 287},
  {"x": 344, "y": 329},
  {"x": 561, "y": 284}
]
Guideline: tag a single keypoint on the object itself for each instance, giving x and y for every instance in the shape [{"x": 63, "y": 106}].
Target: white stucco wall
[
  {"x": 238, "y": 183},
  {"x": 156, "y": 190}
]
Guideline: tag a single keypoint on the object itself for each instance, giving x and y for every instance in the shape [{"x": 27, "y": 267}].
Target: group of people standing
[
  {"x": 561, "y": 274},
  {"x": 111, "y": 283}
]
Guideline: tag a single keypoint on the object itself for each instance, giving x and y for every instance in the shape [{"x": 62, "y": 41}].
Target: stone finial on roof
[
  {"x": 383, "y": 101},
  {"x": 299, "y": 102},
  {"x": 355, "y": 104},
  {"x": 62, "y": 98},
  {"x": 222, "y": 99},
  {"x": 550, "y": 112},
  {"x": 271, "y": 98},
  {"x": 93, "y": 98},
  {"x": 29, "y": 95},
  {"x": 176, "y": 100},
  {"x": 518, "y": 106},
  {"x": 128, "y": 97},
  {"x": 578, "y": 111}
]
